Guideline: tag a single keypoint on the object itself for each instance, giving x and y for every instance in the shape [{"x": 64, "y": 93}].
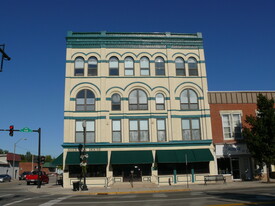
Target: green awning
[
  {"x": 48, "y": 165},
  {"x": 58, "y": 161},
  {"x": 179, "y": 156},
  {"x": 94, "y": 158},
  {"x": 131, "y": 157}
]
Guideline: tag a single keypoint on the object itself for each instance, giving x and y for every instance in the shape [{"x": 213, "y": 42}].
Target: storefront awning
[
  {"x": 180, "y": 156},
  {"x": 58, "y": 161},
  {"x": 132, "y": 157},
  {"x": 94, "y": 158}
]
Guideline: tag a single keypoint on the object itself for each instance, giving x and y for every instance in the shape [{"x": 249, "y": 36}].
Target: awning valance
[
  {"x": 180, "y": 156},
  {"x": 94, "y": 158},
  {"x": 131, "y": 157},
  {"x": 58, "y": 161}
]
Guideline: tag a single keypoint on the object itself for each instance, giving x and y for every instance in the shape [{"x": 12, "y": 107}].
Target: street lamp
[
  {"x": 84, "y": 156},
  {"x": 14, "y": 148}
]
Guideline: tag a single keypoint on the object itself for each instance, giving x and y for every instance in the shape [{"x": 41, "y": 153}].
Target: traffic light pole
[{"x": 39, "y": 155}]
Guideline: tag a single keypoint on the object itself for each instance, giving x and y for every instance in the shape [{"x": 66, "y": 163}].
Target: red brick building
[{"x": 228, "y": 112}]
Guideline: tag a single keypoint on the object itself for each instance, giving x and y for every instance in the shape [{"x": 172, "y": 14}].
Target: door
[{"x": 236, "y": 168}]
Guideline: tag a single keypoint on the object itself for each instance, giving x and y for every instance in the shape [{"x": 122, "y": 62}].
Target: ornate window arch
[
  {"x": 159, "y": 66},
  {"x": 193, "y": 67},
  {"x": 160, "y": 101},
  {"x": 144, "y": 66},
  {"x": 180, "y": 66},
  {"x": 79, "y": 66},
  {"x": 113, "y": 66},
  {"x": 92, "y": 66},
  {"x": 189, "y": 100},
  {"x": 129, "y": 66},
  {"x": 116, "y": 102},
  {"x": 138, "y": 100},
  {"x": 85, "y": 100}
]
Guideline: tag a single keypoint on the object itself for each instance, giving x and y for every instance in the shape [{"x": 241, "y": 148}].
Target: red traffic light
[{"x": 11, "y": 130}]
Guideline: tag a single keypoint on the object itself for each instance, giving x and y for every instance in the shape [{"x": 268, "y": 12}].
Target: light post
[
  {"x": 14, "y": 148},
  {"x": 84, "y": 156}
]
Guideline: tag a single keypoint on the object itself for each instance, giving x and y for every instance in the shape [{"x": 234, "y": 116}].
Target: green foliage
[
  {"x": 3, "y": 151},
  {"x": 259, "y": 135}
]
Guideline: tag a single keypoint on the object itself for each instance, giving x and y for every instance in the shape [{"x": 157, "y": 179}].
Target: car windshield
[{"x": 2, "y": 175}]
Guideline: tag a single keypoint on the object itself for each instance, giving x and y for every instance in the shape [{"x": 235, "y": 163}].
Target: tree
[{"x": 259, "y": 134}]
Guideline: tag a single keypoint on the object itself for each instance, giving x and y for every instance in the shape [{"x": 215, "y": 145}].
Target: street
[{"x": 17, "y": 193}]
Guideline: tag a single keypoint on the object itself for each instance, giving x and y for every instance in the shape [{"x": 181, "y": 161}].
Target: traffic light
[
  {"x": 11, "y": 130},
  {"x": 42, "y": 159}
]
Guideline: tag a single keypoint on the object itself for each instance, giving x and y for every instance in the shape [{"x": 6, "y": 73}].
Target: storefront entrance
[
  {"x": 133, "y": 172},
  {"x": 236, "y": 168}
]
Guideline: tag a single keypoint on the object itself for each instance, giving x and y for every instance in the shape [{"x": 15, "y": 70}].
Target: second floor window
[
  {"x": 191, "y": 129},
  {"x": 116, "y": 130},
  {"x": 129, "y": 66},
  {"x": 161, "y": 130},
  {"x": 79, "y": 66},
  {"x": 85, "y": 100},
  {"x": 232, "y": 126},
  {"x": 144, "y": 66},
  {"x": 189, "y": 100},
  {"x": 92, "y": 66},
  {"x": 116, "y": 102},
  {"x": 160, "y": 66},
  {"x": 90, "y": 131},
  {"x": 113, "y": 67},
  {"x": 138, "y": 100},
  {"x": 139, "y": 131},
  {"x": 160, "y": 102},
  {"x": 180, "y": 68}
]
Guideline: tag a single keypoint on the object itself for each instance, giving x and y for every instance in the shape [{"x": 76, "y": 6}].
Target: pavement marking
[
  {"x": 6, "y": 195},
  {"x": 53, "y": 202},
  {"x": 15, "y": 202},
  {"x": 159, "y": 195},
  {"x": 246, "y": 203}
]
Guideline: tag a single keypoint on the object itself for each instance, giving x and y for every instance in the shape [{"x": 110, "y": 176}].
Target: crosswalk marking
[
  {"x": 15, "y": 202},
  {"x": 52, "y": 202},
  {"x": 159, "y": 195}
]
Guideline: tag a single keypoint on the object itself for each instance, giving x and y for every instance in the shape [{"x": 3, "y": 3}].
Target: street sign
[{"x": 26, "y": 129}]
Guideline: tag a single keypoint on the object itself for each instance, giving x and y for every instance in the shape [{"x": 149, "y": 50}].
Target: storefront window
[
  {"x": 92, "y": 171},
  {"x": 224, "y": 166}
]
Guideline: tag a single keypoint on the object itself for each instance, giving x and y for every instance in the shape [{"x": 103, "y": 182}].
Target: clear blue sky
[{"x": 239, "y": 43}]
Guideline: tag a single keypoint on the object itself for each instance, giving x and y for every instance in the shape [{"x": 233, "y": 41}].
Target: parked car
[
  {"x": 23, "y": 175},
  {"x": 5, "y": 178},
  {"x": 33, "y": 178}
]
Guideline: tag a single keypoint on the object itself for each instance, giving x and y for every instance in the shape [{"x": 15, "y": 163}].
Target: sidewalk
[{"x": 57, "y": 189}]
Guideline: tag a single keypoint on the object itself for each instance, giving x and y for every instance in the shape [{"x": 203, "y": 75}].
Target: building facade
[
  {"x": 9, "y": 164},
  {"x": 143, "y": 98},
  {"x": 228, "y": 113}
]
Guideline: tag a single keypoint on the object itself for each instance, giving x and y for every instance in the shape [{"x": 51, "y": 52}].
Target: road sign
[{"x": 26, "y": 129}]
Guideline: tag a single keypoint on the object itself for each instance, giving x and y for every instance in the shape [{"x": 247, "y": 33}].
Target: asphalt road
[{"x": 15, "y": 193}]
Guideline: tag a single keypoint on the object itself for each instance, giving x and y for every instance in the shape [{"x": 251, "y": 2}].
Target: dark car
[
  {"x": 23, "y": 175},
  {"x": 5, "y": 178}
]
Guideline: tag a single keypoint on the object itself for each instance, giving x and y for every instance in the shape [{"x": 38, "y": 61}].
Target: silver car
[{"x": 5, "y": 178}]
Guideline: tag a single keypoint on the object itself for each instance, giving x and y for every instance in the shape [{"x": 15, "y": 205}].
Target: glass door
[{"x": 236, "y": 168}]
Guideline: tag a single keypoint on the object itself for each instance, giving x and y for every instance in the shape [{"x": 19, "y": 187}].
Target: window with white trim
[
  {"x": 191, "y": 129},
  {"x": 160, "y": 66},
  {"x": 92, "y": 66},
  {"x": 232, "y": 125},
  {"x": 139, "y": 130},
  {"x": 113, "y": 66},
  {"x": 180, "y": 68},
  {"x": 79, "y": 66},
  {"x": 129, "y": 66},
  {"x": 160, "y": 103},
  {"x": 161, "y": 130},
  {"x": 144, "y": 66},
  {"x": 193, "y": 67},
  {"x": 90, "y": 131},
  {"x": 116, "y": 130}
]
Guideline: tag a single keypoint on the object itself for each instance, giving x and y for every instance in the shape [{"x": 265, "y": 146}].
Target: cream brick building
[{"x": 144, "y": 99}]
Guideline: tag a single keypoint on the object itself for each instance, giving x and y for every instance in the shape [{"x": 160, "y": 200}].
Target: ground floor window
[
  {"x": 135, "y": 171},
  {"x": 182, "y": 168},
  {"x": 224, "y": 166},
  {"x": 92, "y": 171}
]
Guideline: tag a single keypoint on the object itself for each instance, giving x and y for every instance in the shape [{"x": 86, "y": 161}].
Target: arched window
[
  {"x": 160, "y": 67},
  {"x": 129, "y": 66},
  {"x": 116, "y": 102},
  {"x": 193, "y": 67},
  {"x": 138, "y": 100},
  {"x": 113, "y": 67},
  {"x": 189, "y": 100},
  {"x": 79, "y": 66},
  {"x": 144, "y": 66},
  {"x": 160, "y": 102},
  {"x": 85, "y": 100},
  {"x": 92, "y": 66},
  {"x": 180, "y": 68}
]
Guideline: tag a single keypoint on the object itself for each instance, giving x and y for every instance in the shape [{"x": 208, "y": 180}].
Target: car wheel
[{"x": 28, "y": 183}]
